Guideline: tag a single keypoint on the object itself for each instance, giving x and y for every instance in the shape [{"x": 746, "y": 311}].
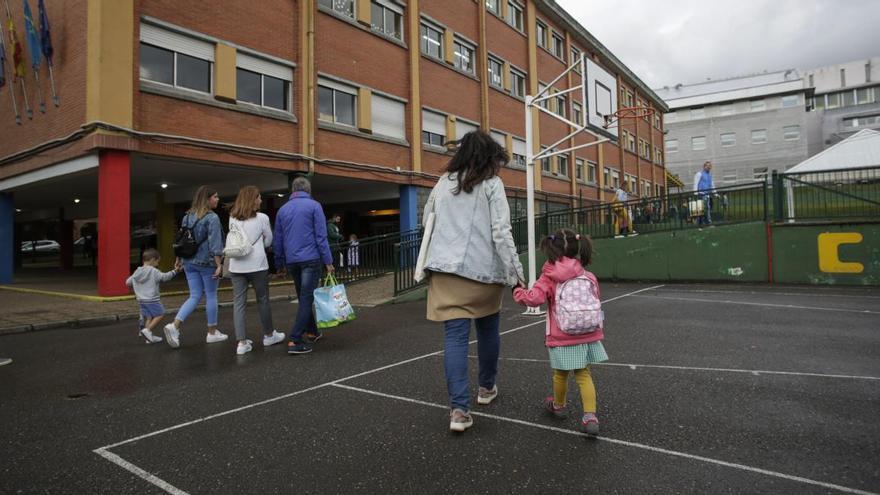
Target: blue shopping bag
[{"x": 331, "y": 304}]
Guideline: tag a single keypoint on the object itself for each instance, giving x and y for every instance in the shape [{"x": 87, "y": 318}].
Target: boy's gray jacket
[
  {"x": 472, "y": 236},
  {"x": 145, "y": 281}
]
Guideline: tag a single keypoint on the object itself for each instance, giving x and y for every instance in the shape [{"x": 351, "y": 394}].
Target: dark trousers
[{"x": 306, "y": 277}]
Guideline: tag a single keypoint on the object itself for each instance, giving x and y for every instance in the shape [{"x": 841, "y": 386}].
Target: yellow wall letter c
[{"x": 829, "y": 258}]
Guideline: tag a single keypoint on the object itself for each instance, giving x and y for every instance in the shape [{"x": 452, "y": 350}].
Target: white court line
[
  {"x": 158, "y": 482},
  {"x": 698, "y": 368},
  {"x": 770, "y": 305},
  {"x": 770, "y": 293},
  {"x": 741, "y": 467}
]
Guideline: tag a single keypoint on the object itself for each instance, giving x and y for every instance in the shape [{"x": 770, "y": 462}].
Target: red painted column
[{"x": 114, "y": 237}]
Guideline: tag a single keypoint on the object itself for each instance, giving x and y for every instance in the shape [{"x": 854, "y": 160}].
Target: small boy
[{"x": 145, "y": 281}]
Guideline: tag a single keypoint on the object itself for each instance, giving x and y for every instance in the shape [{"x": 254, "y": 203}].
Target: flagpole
[
  {"x": 11, "y": 86},
  {"x": 39, "y": 91},
  {"x": 27, "y": 105},
  {"x": 55, "y": 98}
]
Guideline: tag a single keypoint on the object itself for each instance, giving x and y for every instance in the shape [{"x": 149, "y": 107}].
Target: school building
[{"x": 158, "y": 97}]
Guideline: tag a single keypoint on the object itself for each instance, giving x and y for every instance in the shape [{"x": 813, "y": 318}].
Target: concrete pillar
[
  {"x": 114, "y": 223},
  {"x": 409, "y": 205},
  {"x": 7, "y": 238},
  {"x": 165, "y": 228}
]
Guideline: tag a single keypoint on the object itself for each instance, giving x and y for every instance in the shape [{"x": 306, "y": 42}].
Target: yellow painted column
[
  {"x": 450, "y": 128},
  {"x": 110, "y": 45},
  {"x": 508, "y": 83},
  {"x": 531, "y": 28},
  {"x": 307, "y": 121},
  {"x": 365, "y": 110},
  {"x": 224, "y": 72},
  {"x": 483, "y": 67},
  {"x": 448, "y": 46},
  {"x": 165, "y": 231},
  {"x": 415, "y": 99},
  {"x": 363, "y": 11}
]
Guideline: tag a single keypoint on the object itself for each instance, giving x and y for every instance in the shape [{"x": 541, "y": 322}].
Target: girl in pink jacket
[{"x": 575, "y": 326}]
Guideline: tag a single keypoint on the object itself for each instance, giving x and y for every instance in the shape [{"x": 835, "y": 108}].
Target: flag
[
  {"x": 2, "y": 64},
  {"x": 17, "y": 58},
  {"x": 45, "y": 35},
  {"x": 33, "y": 38}
]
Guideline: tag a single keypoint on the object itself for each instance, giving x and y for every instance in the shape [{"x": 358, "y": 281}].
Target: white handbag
[{"x": 419, "y": 272}]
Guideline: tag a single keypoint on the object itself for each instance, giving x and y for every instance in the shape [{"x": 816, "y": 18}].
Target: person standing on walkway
[
  {"x": 335, "y": 237},
  {"x": 704, "y": 186},
  {"x": 251, "y": 269},
  {"x": 204, "y": 268},
  {"x": 470, "y": 258},
  {"x": 301, "y": 248}
]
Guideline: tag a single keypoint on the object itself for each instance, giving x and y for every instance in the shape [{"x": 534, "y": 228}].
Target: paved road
[{"x": 692, "y": 402}]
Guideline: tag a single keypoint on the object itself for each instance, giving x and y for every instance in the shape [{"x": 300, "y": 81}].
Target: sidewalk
[{"x": 25, "y": 312}]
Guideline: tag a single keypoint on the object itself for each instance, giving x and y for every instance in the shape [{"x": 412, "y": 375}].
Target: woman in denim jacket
[
  {"x": 203, "y": 270},
  {"x": 471, "y": 257}
]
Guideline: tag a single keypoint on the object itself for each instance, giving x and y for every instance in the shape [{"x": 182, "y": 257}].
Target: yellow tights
[{"x": 585, "y": 383}]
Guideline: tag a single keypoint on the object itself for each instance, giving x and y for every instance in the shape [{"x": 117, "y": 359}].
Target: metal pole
[
  {"x": 52, "y": 80},
  {"x": 39, "y": 90},
  {"x": 530, "y": 201},
  {"x": 12, "y": 83}
]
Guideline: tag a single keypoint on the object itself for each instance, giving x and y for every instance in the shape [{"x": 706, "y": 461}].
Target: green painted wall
[{"x": 796, "y": 254}]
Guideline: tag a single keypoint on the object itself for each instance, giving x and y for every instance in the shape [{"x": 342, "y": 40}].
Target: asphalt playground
[{"x": 710, "y": 389}]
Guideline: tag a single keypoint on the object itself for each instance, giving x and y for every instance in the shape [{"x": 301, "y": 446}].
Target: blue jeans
[
  {"x": 456, "y": 356},
  {"x": 201, "y": 281},
  {"x": 306, "y": 277},
  {"x": 706, "y": 219}
]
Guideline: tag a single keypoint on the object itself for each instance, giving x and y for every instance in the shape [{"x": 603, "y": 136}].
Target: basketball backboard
[{"x": 601, "y": 92}]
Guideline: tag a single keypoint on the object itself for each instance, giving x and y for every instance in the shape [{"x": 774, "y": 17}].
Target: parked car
[{"x": 43, "y": 246}]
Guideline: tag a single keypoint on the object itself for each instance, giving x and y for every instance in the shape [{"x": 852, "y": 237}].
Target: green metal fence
[
  {"x": 852, "y": 194},
  {"x": 371, "y": 257}
]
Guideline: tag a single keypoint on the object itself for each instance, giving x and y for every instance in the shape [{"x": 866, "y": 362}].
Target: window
[
  {"x": 868, "y": 72},
  {"x": 463, "y": 127},
  {"x": 864, "y": 95},
  {"x": 658, "y": 155},
  {"x": 562, "y": 164},
  {"x": 811, "y": 81},
  {"x": 519, "y": 153},
  {"x": 387, "y": 18},
  {"x": 388, "y": 116},
  {"x": 606, "y": 176},
  {"x": 432, "y": 41},
  {"x": 730, "y": 178},
  {"x": 615, "y": 179},
  {"x": 545, "y": 162},
  {"x": 261, "y": 82},
  {"x": 727, "y": 110},
  {"x": 646, "y": 186},
  {"x": 517, "y": 83},
  {"x": 561, "y": 104},
  {"x": 728, "y": 139},
  {"x": 862, "y": 121},
  {"x": 760, "y": 173},
  {"x": 789, "y": 101},
  {"x": 464, "y": 56},
  {"x": 515, "y": 15},
  {"x": 494, "y": 6},
  {"x": 848, "y": 99},
  {"x": 591, "y": 172},
  {"x": 791, "y": 132},
  {"x": 575, "y": 57},
  {"x": 336, "y": 103},
  {"x": 500, "y": 138},
  {"x": 433, "y": 128},
  {"x": 698, "y": 143},
  {"x": 174, "y": 59},
  {"x": 496, "y": 69},
  {"x": 657, "y": 122},
  {"x": 558, "y": 46},
  {"x": 671, "y": 117},
  {"x": 757, "y": 105},
  {"x": 577, "y": 113},
  {"x": 698, "y": 113},
  {"x": 541, "y": 33},
  {"x": 759, "y": 136},
  {"x": 833, "y": 100},
  {"x": 344, "y": 7},
  {"x": 842, "y": 78},
  {"x": 671, "y": 145},
  {"x": 578, "y": 169},
  {"x": 630, "y": 142},
  {"x": 543, "y": 103}
]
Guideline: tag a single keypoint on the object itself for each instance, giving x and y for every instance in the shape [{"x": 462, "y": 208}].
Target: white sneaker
[
  {"x": 244, "y": 347},
  {"x": 172, "y": 335},
  {"x": 149, "y": 337},
  {"x": 273, "y": 339},
  {"x": 217, "y": 336}
]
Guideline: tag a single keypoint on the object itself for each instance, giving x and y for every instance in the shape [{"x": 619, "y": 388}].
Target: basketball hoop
[{"x": 628, "y": 113}]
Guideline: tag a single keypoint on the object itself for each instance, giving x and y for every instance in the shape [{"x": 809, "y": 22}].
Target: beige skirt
[{"x": 451, "y": 297}]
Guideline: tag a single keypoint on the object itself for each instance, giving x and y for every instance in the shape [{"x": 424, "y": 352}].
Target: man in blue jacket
[
  {"x": 300, "y": 249},
  {"x": 704, "y": 186}
]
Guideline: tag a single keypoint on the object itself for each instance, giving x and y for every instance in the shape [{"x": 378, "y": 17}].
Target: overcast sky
[{"x": 686, "y": 41}]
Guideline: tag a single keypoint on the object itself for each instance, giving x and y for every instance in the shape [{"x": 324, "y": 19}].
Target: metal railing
[
  {"x": 372, "y": 257},
  {"x": 406, "y": 252},
  {"x": 842, "y": 194}
]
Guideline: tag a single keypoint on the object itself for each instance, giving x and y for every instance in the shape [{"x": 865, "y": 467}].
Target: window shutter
[
  {"x": 434, "y": 122},
  {"x": 519, "y": 146},
  {"x": 462, "y": 128},
  {"x": 388, "y": 117},
  {"x": 263, "y": 66},
  {"x": 499, "y": 138},
  {"x": 327, "y": 83},
  {"x": 170, "y": 40}
]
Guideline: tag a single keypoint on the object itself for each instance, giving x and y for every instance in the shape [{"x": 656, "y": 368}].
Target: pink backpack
[{"x": 578, "y": 310}]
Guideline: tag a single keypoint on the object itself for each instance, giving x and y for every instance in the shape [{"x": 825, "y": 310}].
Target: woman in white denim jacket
[{"x": 471, "y": 257}]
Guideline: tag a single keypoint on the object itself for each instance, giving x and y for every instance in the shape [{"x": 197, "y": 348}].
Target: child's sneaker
[
  {"x": 244, "y": 347},
  {"x": 217, "y": 336},
  {"x": 486, "y": 396},
  {"x": 460, "y": 420},
  {"x": 273, "y": 339},
  {"x": 294, "y": 348},
  {"x": 553, "y": 409},
  {"x": 172, "y": 335},
  {"x": 149, "y": 337},
  {"x": 590, "y": 424}
]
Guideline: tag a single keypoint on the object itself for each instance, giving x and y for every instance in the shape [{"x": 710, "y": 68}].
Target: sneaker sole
[
  {"x": 460, "y": 427},
  {"x": 147, "y": 339},
  {"x": 171, "y": 341},
  {"x": 299, "y": 352},
  {"x": 487, "y": 400},
  {"x": 592, "y": 429}
]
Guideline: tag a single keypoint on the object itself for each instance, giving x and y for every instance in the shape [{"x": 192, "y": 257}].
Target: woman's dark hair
[
  {"x": 569, "y": 244},
  {"x": 477, "y": 158}
]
